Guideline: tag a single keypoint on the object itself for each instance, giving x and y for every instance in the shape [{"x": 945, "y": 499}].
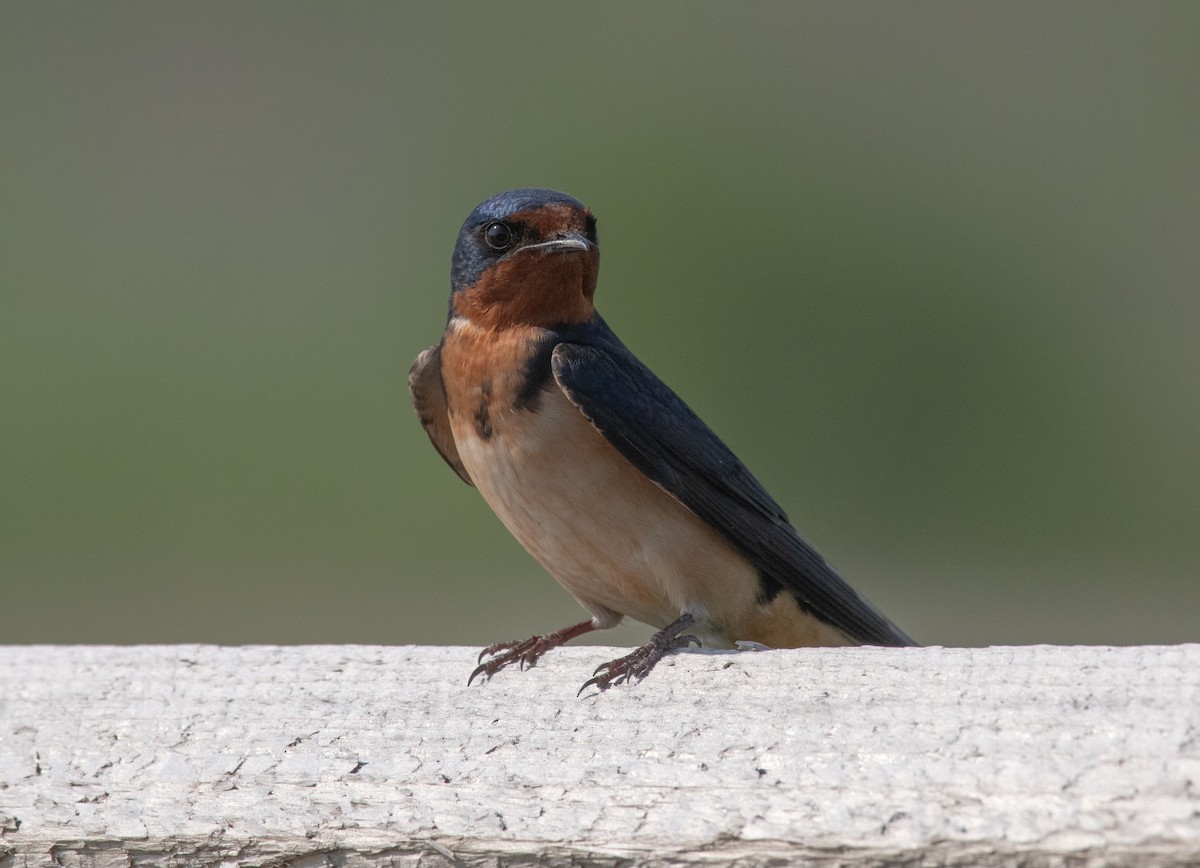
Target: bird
[{"x": 601, "y": 471}]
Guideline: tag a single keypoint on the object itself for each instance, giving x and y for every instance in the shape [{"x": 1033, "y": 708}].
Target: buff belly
[{"x": 615, "y": 540}]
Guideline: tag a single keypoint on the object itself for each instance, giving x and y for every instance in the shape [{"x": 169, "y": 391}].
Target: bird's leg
[
  {"x": 641, "y": 661},
  {"x": 526, "y": 651}
]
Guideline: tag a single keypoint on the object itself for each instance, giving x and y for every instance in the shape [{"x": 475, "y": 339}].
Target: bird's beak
[{"x": 563, "y": 244}]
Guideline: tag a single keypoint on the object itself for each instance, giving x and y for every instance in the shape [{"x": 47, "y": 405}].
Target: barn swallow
[{"x": 599, "y": 469}]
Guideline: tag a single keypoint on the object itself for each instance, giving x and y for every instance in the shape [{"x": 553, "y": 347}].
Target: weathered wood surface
[{"x": 365, "y": 756}]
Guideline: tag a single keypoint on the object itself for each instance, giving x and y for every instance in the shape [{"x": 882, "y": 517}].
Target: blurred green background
[{"x": 931, "y": 270}]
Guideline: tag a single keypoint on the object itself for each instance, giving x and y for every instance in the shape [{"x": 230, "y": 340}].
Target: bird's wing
[
  {"x": 429, "y": 398},
  {"x": 660, "y": 435}
]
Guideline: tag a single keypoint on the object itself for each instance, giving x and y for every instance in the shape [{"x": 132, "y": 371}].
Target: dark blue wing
[{"x": 660, "y": 435}]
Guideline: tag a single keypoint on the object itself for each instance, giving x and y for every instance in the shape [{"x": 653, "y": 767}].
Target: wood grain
[{"x": 366, "y": 756}]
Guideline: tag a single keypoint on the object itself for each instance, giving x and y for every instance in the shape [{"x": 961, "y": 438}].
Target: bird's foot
[
  {"x": 525, "y": 651},
  {"x": 638, "y": 664}
]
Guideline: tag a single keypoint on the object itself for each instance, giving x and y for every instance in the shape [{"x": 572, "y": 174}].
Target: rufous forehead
[{"x": 549, "y": 219}]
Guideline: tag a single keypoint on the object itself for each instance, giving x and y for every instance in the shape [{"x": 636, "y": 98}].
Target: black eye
[{"x": 499, "y": 236}]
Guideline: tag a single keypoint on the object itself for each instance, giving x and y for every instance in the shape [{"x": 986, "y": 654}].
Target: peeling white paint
[{"x": 365, "y": 756}]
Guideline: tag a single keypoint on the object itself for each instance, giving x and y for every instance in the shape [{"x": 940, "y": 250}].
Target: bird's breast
[{"x": 614, "y": 539}]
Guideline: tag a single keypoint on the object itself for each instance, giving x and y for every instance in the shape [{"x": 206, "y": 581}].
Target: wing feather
[
  {"x": 429, "y": 399},
  {"x": 659, "y": 434}
]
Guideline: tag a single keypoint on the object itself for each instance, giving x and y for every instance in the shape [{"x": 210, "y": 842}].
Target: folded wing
[
  {"x": 429, "y": 399},
  {"x": 659, "y": 434}
]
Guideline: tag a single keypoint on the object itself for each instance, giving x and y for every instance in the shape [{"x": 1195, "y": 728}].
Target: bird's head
[{"x": 526, "y": 257}]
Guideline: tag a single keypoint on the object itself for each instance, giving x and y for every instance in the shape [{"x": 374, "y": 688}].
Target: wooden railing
[{"x": 366, "y": 756}]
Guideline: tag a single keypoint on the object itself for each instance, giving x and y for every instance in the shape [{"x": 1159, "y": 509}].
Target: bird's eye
[{"x": 499, "y": 236}]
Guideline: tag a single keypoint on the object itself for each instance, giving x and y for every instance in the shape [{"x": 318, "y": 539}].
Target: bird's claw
[
  {"x": 526, "y": 652},
  {"x": 522, "y": 651},
  {"x": 638, "y": 664}
]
